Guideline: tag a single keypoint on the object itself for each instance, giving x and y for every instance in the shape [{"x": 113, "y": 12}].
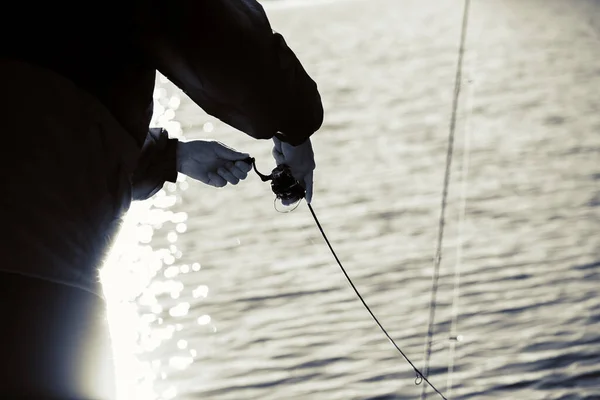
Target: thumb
[
  {"x": 308, "y": 185},
  {"x": 228, "y": 153},
  {"x": 278, "y": 156},
  {"x": 277, "y": 144}
]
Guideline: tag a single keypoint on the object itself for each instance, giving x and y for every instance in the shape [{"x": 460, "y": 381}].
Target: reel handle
[{"x": 252, "y": 161}]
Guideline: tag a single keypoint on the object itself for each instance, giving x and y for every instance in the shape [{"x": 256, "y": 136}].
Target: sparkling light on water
[
  {"x": 200, "y": 291},
  {"x": 208, "y": 127},
  {"x": 137, "y": 273},
  {"x": 180, "y": 310}
]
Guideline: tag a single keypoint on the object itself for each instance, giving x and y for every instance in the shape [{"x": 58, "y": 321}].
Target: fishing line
[
  {"x": 288, "y": 189},
  {"x": 459, "y": 248},
  {"x": 442, "y": 219},
  {"x": 420, "y": 375}
]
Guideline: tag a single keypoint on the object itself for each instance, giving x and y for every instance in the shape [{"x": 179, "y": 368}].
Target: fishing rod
[
  {"x": 288, "y": 190},
  {"x": 444, "y": 199}
]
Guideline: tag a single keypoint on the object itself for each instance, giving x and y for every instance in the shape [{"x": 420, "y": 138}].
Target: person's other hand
[
  {"x": 300, "y": 159},
  {"x": 212, "y": 162}
]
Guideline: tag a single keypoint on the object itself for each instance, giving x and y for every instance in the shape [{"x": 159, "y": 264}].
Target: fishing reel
[{"x": 286, "y": 188}]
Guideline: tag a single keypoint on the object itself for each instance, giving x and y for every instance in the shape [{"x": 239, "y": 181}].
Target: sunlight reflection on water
[{"x": 132, "y": 282}]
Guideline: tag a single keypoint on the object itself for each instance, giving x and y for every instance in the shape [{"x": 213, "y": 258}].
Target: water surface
[{"x": 232, "y": 300}]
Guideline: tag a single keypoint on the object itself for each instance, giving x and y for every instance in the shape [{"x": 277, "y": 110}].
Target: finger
[
  {"x": 278, "y": 156},
  {"x": 288, "y": 202},
  {"x": 228, "y": 153},
  {"x": 238, "y": 172},
  {"x": 216, "y": 180},
  {"x": 308, "y": 185},
  {"x": 243, "y": 166},
  {"x": 227, "y": 175}
]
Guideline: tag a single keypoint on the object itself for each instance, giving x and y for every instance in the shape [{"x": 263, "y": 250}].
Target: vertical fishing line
[
  {"x": 454, "y": 336},
  {"x": 420, "y": 375},
  {"x": 438, "y": 254}
]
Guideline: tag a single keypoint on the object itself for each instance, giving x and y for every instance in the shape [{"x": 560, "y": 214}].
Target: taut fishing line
[
  {"x": 459, "y": 248},
  {"x": 288, "y": 190}
]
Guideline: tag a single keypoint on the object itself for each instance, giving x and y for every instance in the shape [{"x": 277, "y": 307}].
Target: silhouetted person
[{"x": 77, "y": 82}]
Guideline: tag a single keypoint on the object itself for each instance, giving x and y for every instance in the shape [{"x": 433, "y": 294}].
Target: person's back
[{"x": 92, "y": 45}]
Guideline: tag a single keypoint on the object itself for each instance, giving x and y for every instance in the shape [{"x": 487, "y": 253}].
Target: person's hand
[
  {"x": 300, "y": 159},
  {"x": 211, "y": 162}
]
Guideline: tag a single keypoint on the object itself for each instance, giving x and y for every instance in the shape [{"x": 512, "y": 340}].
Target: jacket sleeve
[
  {"x": 157, "y": 164},
  {"x": 224, "y": 55}
]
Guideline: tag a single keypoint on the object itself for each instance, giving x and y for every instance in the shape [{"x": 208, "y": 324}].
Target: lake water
[{"x": 215, "y": 295}]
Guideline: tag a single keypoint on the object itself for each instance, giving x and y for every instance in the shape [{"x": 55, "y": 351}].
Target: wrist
[
  {"x": 277, "y": 139},
  {"x": 180, "y": 156}
]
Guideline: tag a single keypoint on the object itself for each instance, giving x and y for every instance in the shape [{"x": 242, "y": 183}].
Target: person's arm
[
  {"x": 156, "y": 165},
  {"x": 162, "y": 158},
  {"x": 225, "y": 56}
]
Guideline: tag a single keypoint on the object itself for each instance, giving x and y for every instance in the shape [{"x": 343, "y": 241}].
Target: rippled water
[{"x": 231, "y": 300}]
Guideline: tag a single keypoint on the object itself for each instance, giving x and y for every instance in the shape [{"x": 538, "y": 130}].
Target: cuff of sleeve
[{"x": 171, "y": 161}]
